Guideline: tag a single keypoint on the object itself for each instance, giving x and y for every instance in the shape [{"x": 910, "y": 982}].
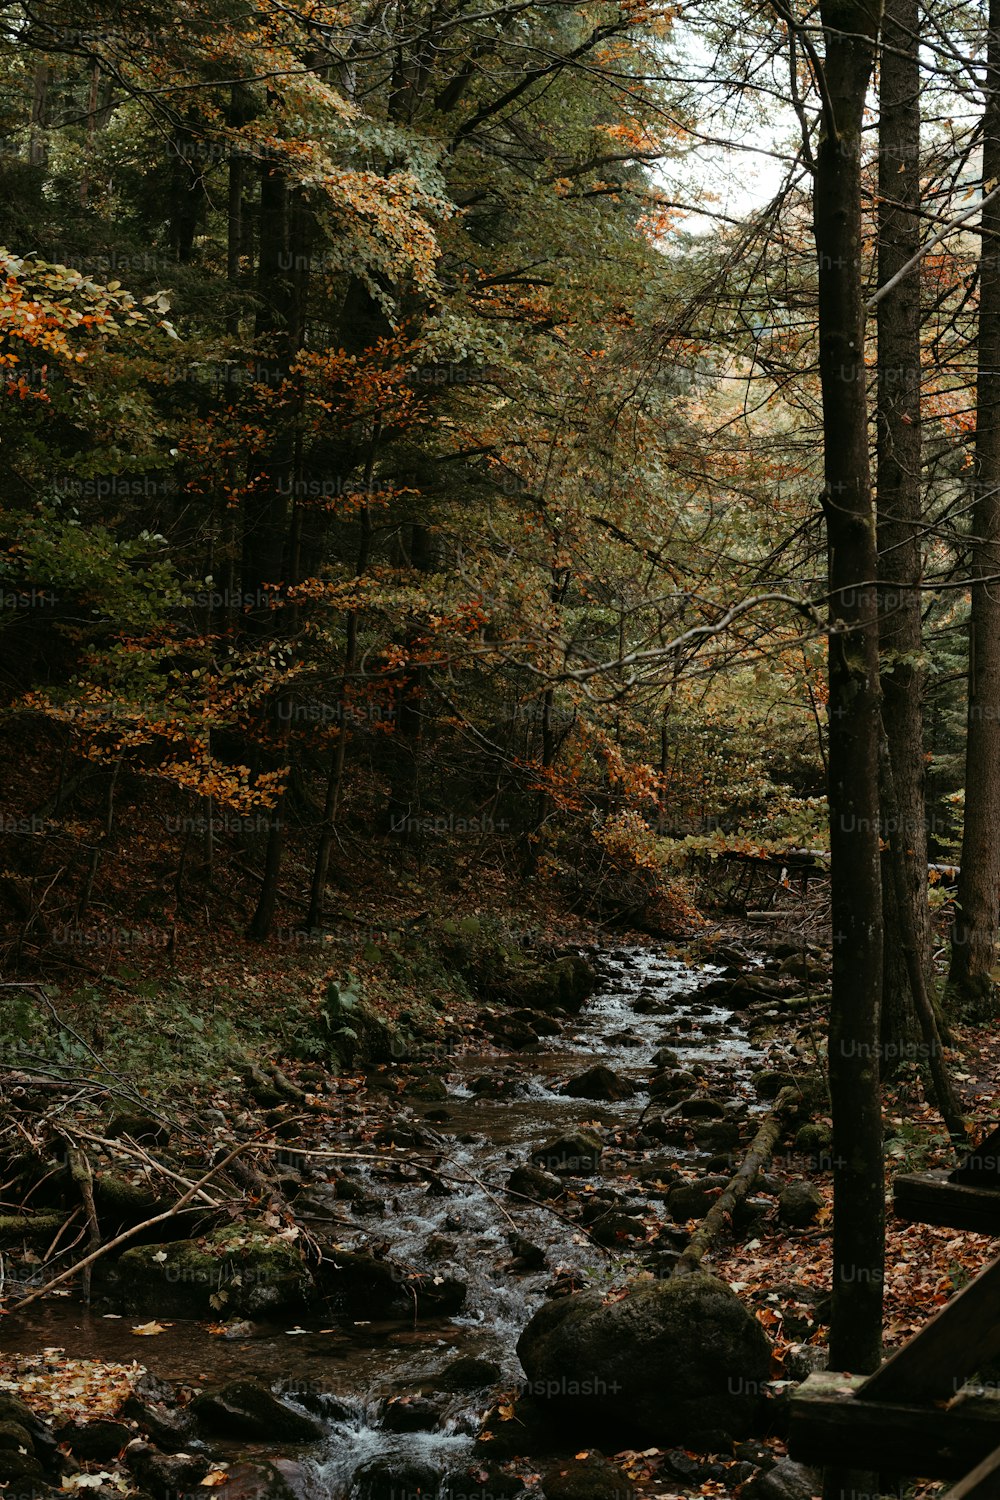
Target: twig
[
  {"x": 83, "y": 1175},
  {"x": 151, "y": 1161}
]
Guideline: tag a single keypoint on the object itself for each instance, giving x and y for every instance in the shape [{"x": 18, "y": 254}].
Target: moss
[
  {"x": 121, "y": 1196},
  {"x": 13, "y": 1435},
  {"x": 29, "y": 1226},
  {"x": 236, "y": 1269}
]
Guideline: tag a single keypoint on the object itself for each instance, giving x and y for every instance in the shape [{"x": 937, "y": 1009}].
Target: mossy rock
[
  {"x": 769, "y": 1083},
  {"x": 13, "y": 1409},
  {"x": 800, "y": 1204},
  {"x": 21, "y": 1475},
  {"x": 590, "y": 1478},
  {"x": 128, "y": 1201},
  {"x": 14, "y": 1435},
  {"x": 430, "y": 1088},
  {"x": 242, "y": 1271},
  {"x": 141, "y": 1128},
  {"x": 245, "y": 1408},
  {"x": 562, "y": 985},
  {"x": 29, "y": 1226},
  {"x": 681, "y": 1361},
  {"x": 815, "y": 1141}
]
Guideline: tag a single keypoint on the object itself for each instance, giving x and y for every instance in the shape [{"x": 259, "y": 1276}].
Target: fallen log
[{"x": 720, "y": 1215}]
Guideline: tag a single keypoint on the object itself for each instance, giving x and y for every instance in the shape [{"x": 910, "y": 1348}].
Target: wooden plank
[
  {"x": 982, "y": 1166},
  {"x": 933, "y": 1198},
  {"x": 832, "y": 1425},
  {"x": 957, "y": 1341},
  {"x": 982, "y": 1484}
]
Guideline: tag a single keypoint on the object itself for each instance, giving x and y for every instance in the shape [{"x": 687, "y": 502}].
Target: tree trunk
[
  {"x": 896, "y": 859},
  {"x": 38, "y": 151},
  {"x": 335, "y": 780},
  {"x": 234, "y": 235},
  {"x": 859, "y": 1207},
  {"x": 973, "y": 950},
  {"x": 283, "y": 272},
  {"x": 899, "y": 513}
]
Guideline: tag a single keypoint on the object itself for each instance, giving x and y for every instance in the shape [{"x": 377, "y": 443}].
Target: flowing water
[{"x": 348, "y": 1372}]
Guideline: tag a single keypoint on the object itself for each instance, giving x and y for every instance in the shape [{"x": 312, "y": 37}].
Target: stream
[{"x": 644, "y": 1001}]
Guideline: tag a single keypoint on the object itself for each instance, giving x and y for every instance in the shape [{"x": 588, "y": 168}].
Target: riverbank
[{"x": 380, "y": 1226}]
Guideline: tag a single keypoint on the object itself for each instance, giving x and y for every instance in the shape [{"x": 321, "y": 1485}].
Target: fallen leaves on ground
[{"x": 78, "y": 1389}]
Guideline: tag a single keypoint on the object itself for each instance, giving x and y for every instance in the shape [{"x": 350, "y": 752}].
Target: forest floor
[{"x": 159, "y": 1061}]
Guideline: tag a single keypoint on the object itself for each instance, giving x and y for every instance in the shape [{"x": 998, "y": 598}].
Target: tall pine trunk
[
  {"x": 850, "y": 31},
  {"x": 974, "y": 934},
  {"x": 899, "y": 512}
]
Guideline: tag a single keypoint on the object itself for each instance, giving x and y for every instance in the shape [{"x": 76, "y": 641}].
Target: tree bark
[
  {"x": 896, "y": 857},
  {"x": 899, "y": 512},
  {"x": 850, "y": 31},
  {"x": 282, "y": 278},
  {"x": 335, "y": 779},
  {"x": 974, "y": 934}
]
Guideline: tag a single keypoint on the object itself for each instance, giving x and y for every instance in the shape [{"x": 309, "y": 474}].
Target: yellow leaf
[{"x": 148, "y": 1329}]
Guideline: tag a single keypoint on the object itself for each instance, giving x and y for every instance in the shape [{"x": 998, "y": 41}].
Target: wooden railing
[{"x": 918, "y": 1414}]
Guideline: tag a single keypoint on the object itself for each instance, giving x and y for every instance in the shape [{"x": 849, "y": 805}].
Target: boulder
[
  {"x": 14, "y": 1436},
  {"x": 800, "y": 1204},
  {"x": 241, "y": 1271},
  {"x": 143, "y": 1128},
  {"x": 165, "y": 1475},
  {"x": 411, "y": 1413},
  {"x": 527, "y": 1256},
  {"x": 770, "y": 1082},
  {"x": 431, "y": 1088},
  {"x": 787, "y": 1480},
  {"x": 578, "y": 1152},
  {"x": 533, "y": 1182},
  {"x": 795, "y": 966},
  {"x": 467, "y": 1373},
  {"x": 394, "y": 1479},
  {"x": 815, "y": 1141},
  {"x": 677, "y": 1361},
  {"x": 508, "y": 1032},
  {"x": 701, "y": 1107},
  {"x": 669, "y": 1083},
  {"x": 650, "y": 1005},
  {"x": 540, "y": 1023},
  {"x": 260, "y": 1479},
  {"x": 21, "y": 1475},
  {"x": 562, "y": 985},
  {"x": 599, "y": 1082},
  {"x": 170, "y": 1427},
  {"x": 246, "y": 1408},
  {"x": 716, "y": 1135},
  {"x": 658, "y": 1169},
  {"x": 692, "y": 1200},
  {"x": 95, "y": 1442},
  {"x": 615, "y": 1228},
  {"x": 590, "y": 1478},
  {"x": 483, "y": 1482}
]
